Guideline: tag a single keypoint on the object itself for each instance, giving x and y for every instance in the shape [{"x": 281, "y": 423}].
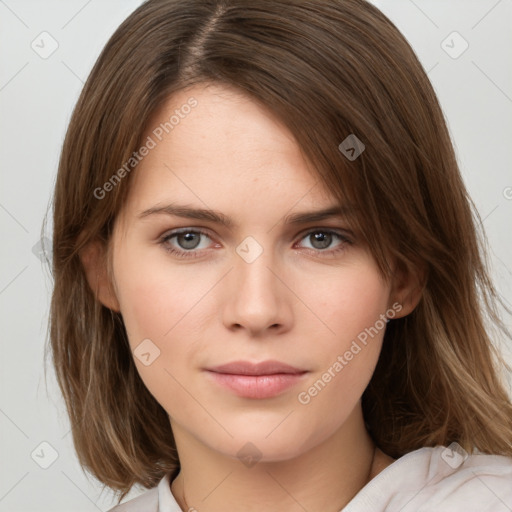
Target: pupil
[
  {"x": 321, "y": 240},
  {"x": 186, "y": 240}
]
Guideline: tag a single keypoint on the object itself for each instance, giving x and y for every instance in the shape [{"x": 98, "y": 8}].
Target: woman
[{"x": 267, "y": 270}]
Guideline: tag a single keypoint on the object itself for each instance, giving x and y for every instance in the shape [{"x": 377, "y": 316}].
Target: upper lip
[{"x": 262, "y": 368}]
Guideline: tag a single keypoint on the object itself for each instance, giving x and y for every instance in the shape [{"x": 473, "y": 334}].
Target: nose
[{"x": 257, "y": 297}]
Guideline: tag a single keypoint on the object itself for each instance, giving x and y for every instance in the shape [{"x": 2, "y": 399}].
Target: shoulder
[
  {"x": 440, "y": 479},
  {"x": 479, "y": 482}
]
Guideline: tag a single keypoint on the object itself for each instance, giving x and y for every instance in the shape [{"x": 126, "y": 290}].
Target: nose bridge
[{"x": 256, "y": 277}]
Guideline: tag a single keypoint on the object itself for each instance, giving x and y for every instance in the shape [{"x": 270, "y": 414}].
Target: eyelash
[{"x": 196, "y": 253}]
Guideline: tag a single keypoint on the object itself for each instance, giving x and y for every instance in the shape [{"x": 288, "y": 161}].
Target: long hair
[{"x": 329, "y": 69}]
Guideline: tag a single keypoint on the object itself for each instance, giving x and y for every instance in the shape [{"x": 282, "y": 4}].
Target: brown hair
[{"x": 327, "y": 69}]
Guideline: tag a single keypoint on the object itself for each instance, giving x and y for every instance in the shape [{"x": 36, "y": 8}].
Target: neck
[{"x": 325, "y": 478}]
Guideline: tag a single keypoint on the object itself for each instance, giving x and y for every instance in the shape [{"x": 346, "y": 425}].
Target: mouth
[{"x": 256, "y": 380}]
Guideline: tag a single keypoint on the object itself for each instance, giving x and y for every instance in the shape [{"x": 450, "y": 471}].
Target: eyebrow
[{"x": 217, "y": 217}]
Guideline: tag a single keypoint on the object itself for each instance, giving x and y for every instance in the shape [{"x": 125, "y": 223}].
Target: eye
[
  {"x": 321, "y": 239},
  {"x": 184, "y": 243},
  {"x": 190, "y": 243},
  {"x": 188, "y": 240}
]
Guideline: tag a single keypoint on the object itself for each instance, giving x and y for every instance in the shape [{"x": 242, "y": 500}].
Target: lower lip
[{"x": 257, "y": 386}]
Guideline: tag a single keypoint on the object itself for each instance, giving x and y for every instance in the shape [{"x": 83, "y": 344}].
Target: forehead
[
  {"x": 225, "y": 150},
  {"x": 224, "y": 128}
]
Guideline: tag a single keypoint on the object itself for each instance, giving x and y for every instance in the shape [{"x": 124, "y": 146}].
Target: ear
[
  {"x": 94, "y": 261},
  {"x": 408, "y": 282}
]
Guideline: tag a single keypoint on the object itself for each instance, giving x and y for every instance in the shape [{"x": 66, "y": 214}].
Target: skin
[{"x": 294, "y": 303}]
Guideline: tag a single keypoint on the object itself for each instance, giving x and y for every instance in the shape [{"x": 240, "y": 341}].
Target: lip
[
  {"x": 256, "y": 380},
  {"x": 269, "y": 367}
]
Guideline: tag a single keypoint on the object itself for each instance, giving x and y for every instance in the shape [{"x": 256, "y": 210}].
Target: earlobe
[
  {"x": 408, "y": 285},
  {"x": 93, "y": 258}
]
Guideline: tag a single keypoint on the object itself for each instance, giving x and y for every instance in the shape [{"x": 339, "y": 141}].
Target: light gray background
[{"x": 36, "y": 99}]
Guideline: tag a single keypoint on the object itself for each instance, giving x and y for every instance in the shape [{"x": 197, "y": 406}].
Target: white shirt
[{"x": 425, "y": 480}]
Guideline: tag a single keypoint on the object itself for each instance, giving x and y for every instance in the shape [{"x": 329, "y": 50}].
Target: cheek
[
  {"x": 345, "y": 303},
  {"x": 351, "y": 305},
  {"x": 155, "y": 306},
  {"x": 161, "y": 307},
  {"x": 155, "y": 296}
]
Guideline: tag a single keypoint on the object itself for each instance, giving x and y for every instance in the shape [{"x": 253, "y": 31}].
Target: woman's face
[{"x": 303, "y": 295}]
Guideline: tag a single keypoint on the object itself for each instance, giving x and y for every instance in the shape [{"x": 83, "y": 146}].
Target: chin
[{"x": 269, "y": 441}]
